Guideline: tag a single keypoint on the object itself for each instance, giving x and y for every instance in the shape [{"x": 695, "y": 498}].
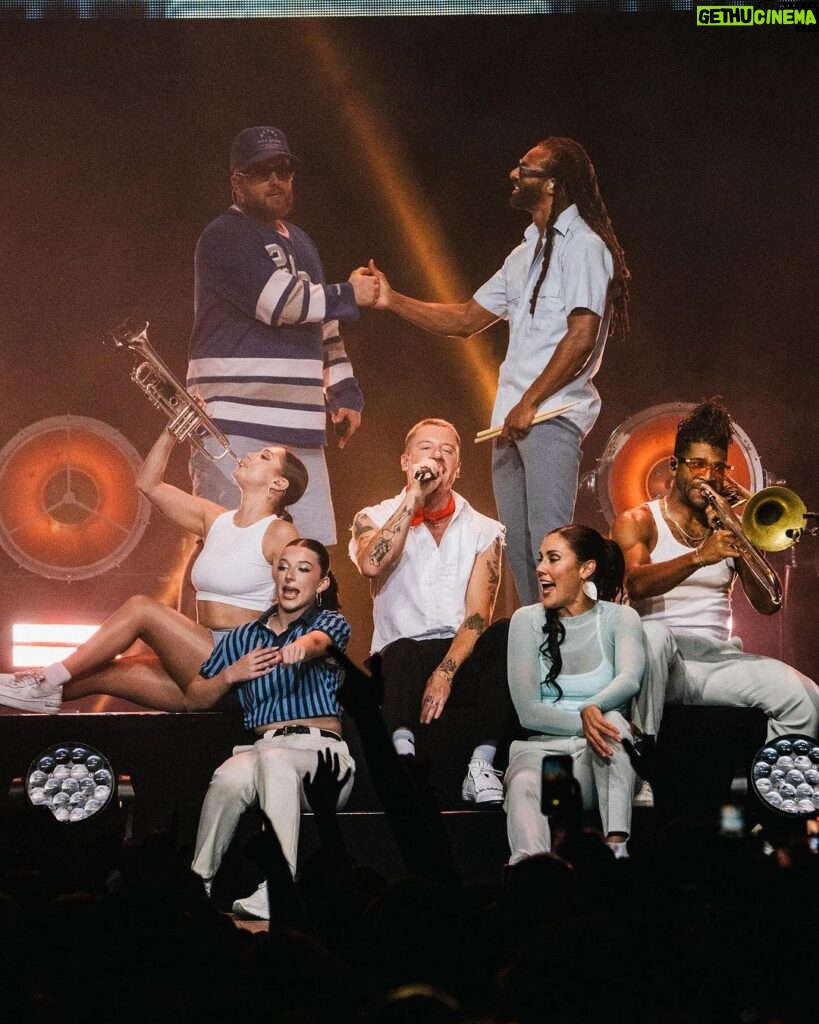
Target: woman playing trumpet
[{"x": 233, "y": 578}]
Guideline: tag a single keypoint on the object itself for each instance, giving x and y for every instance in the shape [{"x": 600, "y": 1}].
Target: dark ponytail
[
  {"x": 295, "y": 473},
  {"x": 608, "y": 576}
]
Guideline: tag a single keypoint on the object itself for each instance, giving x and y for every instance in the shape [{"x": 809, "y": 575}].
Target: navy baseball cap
[{"x": 260, "y": 143}]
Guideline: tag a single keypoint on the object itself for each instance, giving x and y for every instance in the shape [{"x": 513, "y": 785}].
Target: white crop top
[
  {"x": 232, "y": 568},
  {"x": 701, "y": 603}
]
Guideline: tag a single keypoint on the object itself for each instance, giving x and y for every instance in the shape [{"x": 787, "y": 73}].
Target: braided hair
[
  {"x": 576, "y": 182},
  {"x": 609, "y": 572}
]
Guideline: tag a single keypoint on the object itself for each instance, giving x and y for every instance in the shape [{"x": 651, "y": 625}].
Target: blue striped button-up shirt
[{"x": 304, "y": 690}]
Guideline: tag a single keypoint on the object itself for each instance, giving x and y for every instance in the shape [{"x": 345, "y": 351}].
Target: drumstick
[{"x": 547, "y": 414}]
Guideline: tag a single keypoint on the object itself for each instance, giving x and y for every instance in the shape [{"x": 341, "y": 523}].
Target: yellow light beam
[{"x": 425, "y": 240}]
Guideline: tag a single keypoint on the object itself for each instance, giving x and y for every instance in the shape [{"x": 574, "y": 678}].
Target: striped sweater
[{"x": 265, "y": 353}]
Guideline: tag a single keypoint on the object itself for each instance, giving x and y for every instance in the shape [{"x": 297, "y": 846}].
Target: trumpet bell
[{"x": 770, "y": 514}]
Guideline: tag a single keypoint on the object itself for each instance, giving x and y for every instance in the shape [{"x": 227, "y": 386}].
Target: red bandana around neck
[{"x": 423, "y": 516}]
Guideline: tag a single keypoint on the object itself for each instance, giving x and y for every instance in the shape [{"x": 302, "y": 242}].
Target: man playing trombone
[{"x": 681, "y": 562}]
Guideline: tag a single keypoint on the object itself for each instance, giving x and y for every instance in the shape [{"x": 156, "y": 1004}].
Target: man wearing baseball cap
[{"x": 265, "y": 352}]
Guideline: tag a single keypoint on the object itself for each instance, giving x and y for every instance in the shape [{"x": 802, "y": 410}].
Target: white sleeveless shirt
[
  {"x": 231, "y": 567},
  {"x": 700, "y": 604}
]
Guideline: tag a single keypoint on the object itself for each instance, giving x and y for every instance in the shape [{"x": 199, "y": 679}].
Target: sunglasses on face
[{"x": 257, "y": 173}]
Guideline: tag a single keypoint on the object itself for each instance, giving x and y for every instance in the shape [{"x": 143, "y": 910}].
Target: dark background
[{"x": 115, "y": 138}]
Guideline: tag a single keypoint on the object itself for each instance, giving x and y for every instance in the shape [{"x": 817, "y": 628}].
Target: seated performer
[
  {"x": 575, "y": 662},
  {"x": 233, "y": 578},
  {"x": 287, "y": 688},
  {"x": 680, "y": 571},
  {"x": 434, "y": 567}
]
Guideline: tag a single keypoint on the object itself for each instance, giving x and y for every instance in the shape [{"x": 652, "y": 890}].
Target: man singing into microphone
[{"x": 433, "y": 563}]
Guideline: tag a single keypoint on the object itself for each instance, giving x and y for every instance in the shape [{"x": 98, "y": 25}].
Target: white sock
[
  {"x": 403, "y": 741},
  {"x": 485, "y": 752},
  {"x": 55, "y": 675}
]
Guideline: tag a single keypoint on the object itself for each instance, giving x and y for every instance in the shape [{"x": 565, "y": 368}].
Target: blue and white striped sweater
[{"x": 265, "y": 348}]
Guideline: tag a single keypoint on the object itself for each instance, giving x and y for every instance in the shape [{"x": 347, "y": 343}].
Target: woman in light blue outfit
[{"x": 575, "y": 662}]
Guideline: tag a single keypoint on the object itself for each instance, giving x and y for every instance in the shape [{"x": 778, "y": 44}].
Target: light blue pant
[
  {"x": 535, "y": 485},
  {"x": 313, "y": 513},
  {"x": 684, "y": 668},
  {"x": 607, "y": 783}
]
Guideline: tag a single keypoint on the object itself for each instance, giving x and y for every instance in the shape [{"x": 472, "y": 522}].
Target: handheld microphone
[{"x": 424, "y": 475}]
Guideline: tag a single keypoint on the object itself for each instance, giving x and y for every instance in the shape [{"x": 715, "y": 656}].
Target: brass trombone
[
  {"x": 775, "y": 518},
  {"x": 726, "y": 519}
]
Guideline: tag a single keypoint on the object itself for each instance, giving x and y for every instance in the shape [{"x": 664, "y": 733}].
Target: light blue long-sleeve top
[{"x": 603, "y": 663}]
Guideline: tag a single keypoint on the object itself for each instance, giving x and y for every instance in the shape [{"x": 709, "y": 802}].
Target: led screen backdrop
[{"x": 325, "y": 8}]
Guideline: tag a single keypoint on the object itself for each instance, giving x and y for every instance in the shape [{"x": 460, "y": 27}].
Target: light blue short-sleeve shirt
[{"x": 580, "y": 273}]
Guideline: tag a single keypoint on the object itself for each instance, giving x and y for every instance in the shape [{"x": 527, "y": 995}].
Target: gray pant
[
  {"x": 313, "y": 513},
  {"x": 535, "y": 485},
  {"x": 608, "y": 783},
  {"x": 685, "y": 668}
]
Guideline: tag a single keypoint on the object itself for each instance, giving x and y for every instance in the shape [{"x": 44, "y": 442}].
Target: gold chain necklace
[{"x": 692, "y": 541}]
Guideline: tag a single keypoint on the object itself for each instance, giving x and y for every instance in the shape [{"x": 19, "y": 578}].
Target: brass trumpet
[
  {"x": 187, "y": 420},
  {"x": 726, "y": 519}
]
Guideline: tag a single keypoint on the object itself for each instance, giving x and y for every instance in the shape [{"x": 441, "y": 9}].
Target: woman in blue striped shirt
[{"x": 287, "y": 686}]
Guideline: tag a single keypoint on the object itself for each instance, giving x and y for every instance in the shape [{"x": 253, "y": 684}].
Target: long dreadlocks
[{"x": 576, "y": 182}]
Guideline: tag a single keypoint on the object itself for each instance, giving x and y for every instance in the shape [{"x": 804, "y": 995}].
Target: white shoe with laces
[
  {"x": 482, "y": 784},
  {"x": 29, "y": 691},
  {"x": 256, "y": 906}
]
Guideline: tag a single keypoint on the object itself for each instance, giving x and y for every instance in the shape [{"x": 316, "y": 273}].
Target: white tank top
[
  {"x": 700, "y": 604},
  {"x": 232, "y": 568}
]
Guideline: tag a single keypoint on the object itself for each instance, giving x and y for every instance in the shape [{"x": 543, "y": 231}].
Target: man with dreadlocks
[
  {"x": 679, "y": 573},
  {"x": 562, "y": 290}
]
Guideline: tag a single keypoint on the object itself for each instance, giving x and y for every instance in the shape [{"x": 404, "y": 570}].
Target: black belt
[{"x": 303, "y": 730}]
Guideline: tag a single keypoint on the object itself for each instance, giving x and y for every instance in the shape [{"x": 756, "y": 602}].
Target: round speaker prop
[
  {"x": 634, "y": 466},
  {"x": 69, "y": 507}
]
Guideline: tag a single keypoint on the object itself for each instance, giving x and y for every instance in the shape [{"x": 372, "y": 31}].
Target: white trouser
[
  {"x": 608, "y": 783},
  {"x": 274, "y": 768},
  {"x": 686, "y": 668}
]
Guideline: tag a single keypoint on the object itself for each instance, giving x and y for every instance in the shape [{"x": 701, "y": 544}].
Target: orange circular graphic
[{"x": 69, "y": 507}]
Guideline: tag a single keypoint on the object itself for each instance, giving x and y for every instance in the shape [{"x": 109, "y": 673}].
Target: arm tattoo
[
  {"x": 380, "y": 550},
  {"x": 383, "y": 545},
  {"x": 476, "y": 622},
  {"x": 447, "y": 668},
  {"x": 494, "y": 566},
  {"x": 360, "y": 528}
]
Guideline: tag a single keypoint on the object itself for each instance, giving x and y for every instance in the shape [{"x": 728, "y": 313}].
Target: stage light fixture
[
  {"x": 41, "y": 643},
  {"x": 784, "y": 775},
  {"x": 73, "y": 780}
]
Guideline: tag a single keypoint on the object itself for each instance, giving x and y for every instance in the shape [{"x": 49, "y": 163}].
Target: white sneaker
[
  {"x": 255, "y": 906},
  {"x": 644, "y": 796},
  {"x": 30, "y": 692},
  {"x": 482, "y": 784}
]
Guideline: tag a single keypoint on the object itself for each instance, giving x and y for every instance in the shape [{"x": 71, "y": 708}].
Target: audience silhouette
[{"x": 699, "y": 929}]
